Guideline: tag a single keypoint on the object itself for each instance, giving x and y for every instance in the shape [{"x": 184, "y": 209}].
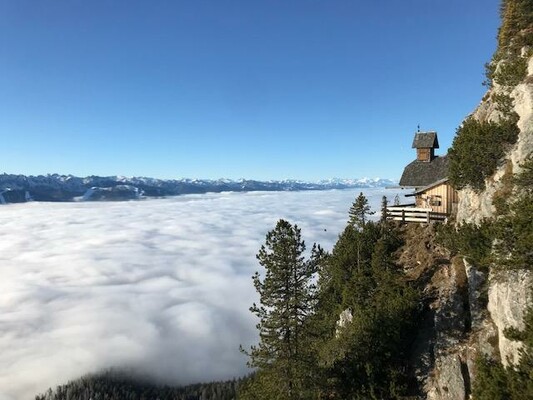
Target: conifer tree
[
  {"x": 384, "y": 204},
  {"x": 396, "y": 200},
  {"x": 366, "y": 358},
  {"x": 287, "y": 297},
  {"x": 384, "y": 214},
  {"x": 359, "y": 212}
]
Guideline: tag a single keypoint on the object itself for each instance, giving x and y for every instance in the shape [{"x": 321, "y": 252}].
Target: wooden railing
[{"x": 414, "y": 214}]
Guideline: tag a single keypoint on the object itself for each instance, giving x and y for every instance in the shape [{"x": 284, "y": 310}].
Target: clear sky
[{"x": 260, "y": 89}]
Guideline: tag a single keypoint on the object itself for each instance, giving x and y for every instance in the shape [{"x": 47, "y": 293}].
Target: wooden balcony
[{"x": 409, "y": 213}]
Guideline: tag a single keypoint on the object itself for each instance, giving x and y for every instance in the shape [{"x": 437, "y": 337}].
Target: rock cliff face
[
  {"x": 473, "y": 206},
  {"x": 454, "y": 324},
  {"x": 468, "y": 309},
  {"x": 508, "y": 299},
  {"x": 508, "y": 295}
]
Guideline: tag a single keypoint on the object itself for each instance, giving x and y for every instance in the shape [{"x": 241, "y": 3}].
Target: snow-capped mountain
[{"x": 54, "y": 187}]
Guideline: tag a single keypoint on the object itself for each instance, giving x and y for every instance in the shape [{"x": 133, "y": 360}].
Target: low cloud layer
[{"x": 159, "y": 286}]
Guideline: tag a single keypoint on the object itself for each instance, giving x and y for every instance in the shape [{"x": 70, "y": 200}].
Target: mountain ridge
[{"x": 55, "y": 187}]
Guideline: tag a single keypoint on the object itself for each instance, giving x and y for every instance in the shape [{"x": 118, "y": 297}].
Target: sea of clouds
[{"x": 161, "y": 287}]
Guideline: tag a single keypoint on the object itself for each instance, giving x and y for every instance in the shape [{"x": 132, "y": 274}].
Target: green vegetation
[
  {"x": 384, "y": 212},
  {"x": 287, "y": 298},
  {"x": 471, "y": 241},
  {"x": 366, "y": 358},
  {"x": 524, "y": 180},
  {"x": 500, "y": 199},
  {"x": 480, "y": 145},
  {"x": 511, "y": 73},
  {"x": 513, "y": 230},
  {"x": 491, "y": 380},
  {"x": 517, "y": 18},
  {"x": 359, "y": 211},
  {"x": 477, "y": 149},
  {"x": 507, "y": 67},
  {"x": 305, "y": 353},
  {"x": 112, "y": 385},
  {"x": 503, "y": 242}
]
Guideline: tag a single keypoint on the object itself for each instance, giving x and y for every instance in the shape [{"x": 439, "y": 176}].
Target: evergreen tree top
[{"x": 359, "y": 212}]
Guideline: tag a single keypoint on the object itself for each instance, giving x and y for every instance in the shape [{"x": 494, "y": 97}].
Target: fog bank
[{"x": 162, "y": 286}]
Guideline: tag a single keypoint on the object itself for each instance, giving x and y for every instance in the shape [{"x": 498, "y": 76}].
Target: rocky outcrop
[
  {"x": 455, "y": 325},
  {"x": 114, "y": 193},
  {"x": 477, "y": 282},
  {"x": 438, "y": 357},
  {"x": 509, "y": 296},
  {"x": 472, "y": 310},
  {"x": 14, "y": 196},
  {"x": 345, "y": 318},
  {"x": 449, "y": 382},
  {"x": 474, "y": 206},
  {"x": 456, "y": 307}
]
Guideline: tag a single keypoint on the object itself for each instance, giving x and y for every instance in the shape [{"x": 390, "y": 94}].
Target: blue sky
[{"x": 303, "y": 89}]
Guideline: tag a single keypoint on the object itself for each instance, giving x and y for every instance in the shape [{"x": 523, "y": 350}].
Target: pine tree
[
  {"x": 358, "y": 216},
  {"x": 383, "y": 221},
  {"x": 384, "y": 212},
  {"x": 287, "y": 297},
  {"x": 359, "y": 212}
]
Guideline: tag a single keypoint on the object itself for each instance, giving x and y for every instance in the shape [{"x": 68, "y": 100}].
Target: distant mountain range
[{"x": 54, "y": 187}]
